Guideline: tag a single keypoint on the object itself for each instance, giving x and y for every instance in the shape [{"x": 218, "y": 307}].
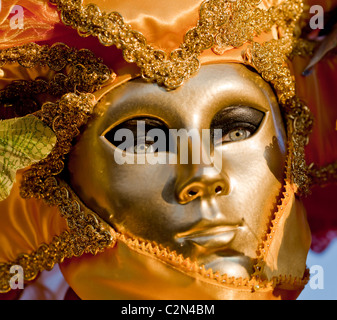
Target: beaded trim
[
  {"x": 89, "y": 234},
  {"x": 65, "y": 117}
]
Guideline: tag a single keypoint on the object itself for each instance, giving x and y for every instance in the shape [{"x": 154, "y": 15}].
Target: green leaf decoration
[{"x": 23, "y": 141}]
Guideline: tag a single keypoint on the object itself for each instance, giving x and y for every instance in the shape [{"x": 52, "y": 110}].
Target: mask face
[{"x": 214, "y": 209}]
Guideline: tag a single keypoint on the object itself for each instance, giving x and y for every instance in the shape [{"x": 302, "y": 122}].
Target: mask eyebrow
[
  {"x": 151, "y": 122},
  {"x": 226, "y": 117}
]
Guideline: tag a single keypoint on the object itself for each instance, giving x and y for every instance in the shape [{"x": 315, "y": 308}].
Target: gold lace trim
[
  {"x": 299, "y": 126},
  {"x": 221, "y": 24},
  {"x": 87, "y": 232},
  {"x": 324, "y": 175},
  {"x": 85, "y": 73},
  {"x": 299, "y": 122},
  {"x": 263, "y": 247}
]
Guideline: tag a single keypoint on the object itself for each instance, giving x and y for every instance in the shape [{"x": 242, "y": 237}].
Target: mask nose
[
  {"x": 204, "y": 177},
  {"x": 203, "y": 184}
]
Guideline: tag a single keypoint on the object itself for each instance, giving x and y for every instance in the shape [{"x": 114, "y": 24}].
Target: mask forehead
[{"x": 214, "y": 88}]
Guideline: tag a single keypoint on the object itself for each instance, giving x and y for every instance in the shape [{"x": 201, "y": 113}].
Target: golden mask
[
  {"x": 216, "y": 218},
  {"x": 232, "y": 229}
]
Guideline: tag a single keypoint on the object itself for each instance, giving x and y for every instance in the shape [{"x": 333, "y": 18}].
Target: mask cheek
[{"x": 253, "y": 195}]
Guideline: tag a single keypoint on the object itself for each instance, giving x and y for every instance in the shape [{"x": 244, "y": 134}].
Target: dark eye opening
[
  {"x": 235, "y": 123},
  {"x": 140, "y": 135}
]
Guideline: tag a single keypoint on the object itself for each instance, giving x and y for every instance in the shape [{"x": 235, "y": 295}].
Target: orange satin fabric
[
  {"x": 26, "y": 224},
  {"x": 163, "y": 23},
  {"x": 39, "y": 21}
]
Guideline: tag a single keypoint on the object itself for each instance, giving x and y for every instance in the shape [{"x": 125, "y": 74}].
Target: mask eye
[
  {"x": 140, "y": 135},
  {"x": 236, "y": 135},
  {"x": 236, "y": 124},
  {"x": 143, "y": 148}
]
